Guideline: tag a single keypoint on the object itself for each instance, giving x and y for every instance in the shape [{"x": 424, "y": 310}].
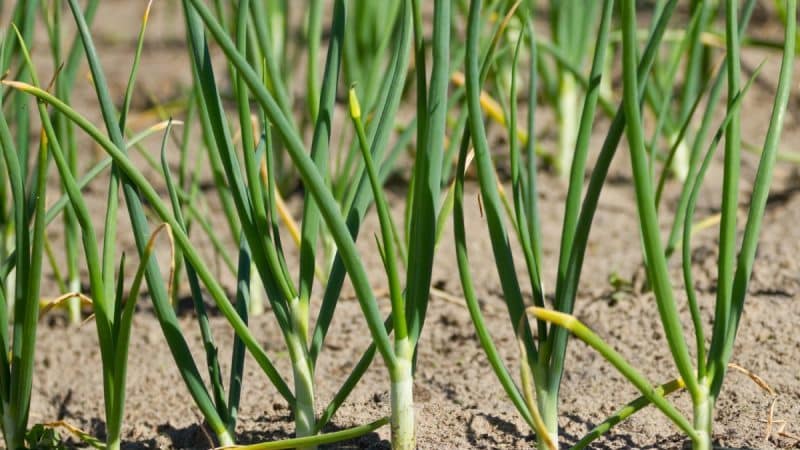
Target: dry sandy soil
[{"x": 459, "y": 402}]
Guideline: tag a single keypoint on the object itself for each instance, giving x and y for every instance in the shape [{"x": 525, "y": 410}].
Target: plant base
[
  {"x": 548, "y": 409},
  {"x": 403, "y": 426},
  {"x": 703, "y": 413}
]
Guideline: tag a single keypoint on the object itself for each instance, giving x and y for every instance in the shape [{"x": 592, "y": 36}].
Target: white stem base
[
  {"x": 225, "y": 439},
  {"x": 703, "y": 413},
  {"x": 680, "y": 163},
  {"x": 256, "y": 293},
  {"x": 403, "y": 437},
  {"x": 74, "y": 304},
  {"x": 114, "y": 444},
  {"x": 304, "y": 414},
  {"x": 548, "y": 409},
  {"x": 403, "y": 420}
]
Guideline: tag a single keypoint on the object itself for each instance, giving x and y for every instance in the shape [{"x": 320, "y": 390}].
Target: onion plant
[
  {"x": 542, "y": 352},
  {"x": 409, "y": 304},
  {"x": 704, "y": 378},
  {"x": 542, "y": 367},
  {"x": 64, "y": 82},
  {"x": 22, "y": 188},
  {"x": 16, "y": 373},
  {"x": 219, "y": 412},
  {"x": 113, "y": 322},
  {"x": 28, "y": 207},
  {"x": 17, "y": 117},
  {"x": 113, "y": 309},
  {"x": 253, "y": 193},
  {"x": 409, "y": 307},
  {"x": 572, "y": 25}
]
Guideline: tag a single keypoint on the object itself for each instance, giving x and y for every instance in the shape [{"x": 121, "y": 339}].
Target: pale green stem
[
  {"x": 11, "y": 279},
  {"x": 225, "y": 439},
  {"x": 568, "y": 117},
  {"x": 257, "y": 293},
  {"x": 10, "y": 430},
  {"x": 606, "y": 89},
  {"x": 299, "y": 310},
  {"x": 548, "y": 409},
  {"x": 403, "y": 428},
  {"x": 703, "y": 417},
  {"x": 74, "y": 304},
  {"x": 114, "y": 440},
  {"x": 680, "y": 163},
  {"x": 304, "y": 413}
]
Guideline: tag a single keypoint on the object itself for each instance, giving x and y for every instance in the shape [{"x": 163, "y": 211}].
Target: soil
[{"x": 459, "y": 402}]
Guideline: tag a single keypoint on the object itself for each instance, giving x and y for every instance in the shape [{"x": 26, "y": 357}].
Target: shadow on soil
[{"x": 197, "y": 437}]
